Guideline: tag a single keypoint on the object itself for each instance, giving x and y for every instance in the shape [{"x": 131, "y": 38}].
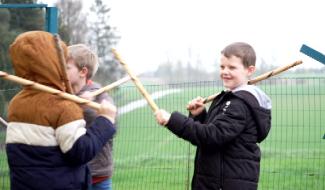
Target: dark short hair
[{"x": 241, "y": 50}]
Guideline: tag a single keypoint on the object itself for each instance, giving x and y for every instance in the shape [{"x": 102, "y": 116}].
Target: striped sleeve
[
  {"x": 69, "y": 133},
  {"x": 30, "y": 134},
  {"x": 81, "y": 144}
]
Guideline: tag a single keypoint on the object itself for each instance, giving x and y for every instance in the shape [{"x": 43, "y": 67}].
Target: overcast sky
[{"x": 154, "y": 31}]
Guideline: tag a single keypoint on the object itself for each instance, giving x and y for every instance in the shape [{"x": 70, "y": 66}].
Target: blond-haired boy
[{"x": 82, "y": 65}]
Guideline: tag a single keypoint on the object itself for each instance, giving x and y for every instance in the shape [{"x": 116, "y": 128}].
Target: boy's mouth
[{"x": 226, "y": 78}]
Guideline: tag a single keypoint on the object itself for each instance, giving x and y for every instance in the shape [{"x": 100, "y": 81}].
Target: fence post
[{"x": 52, "y": 19}]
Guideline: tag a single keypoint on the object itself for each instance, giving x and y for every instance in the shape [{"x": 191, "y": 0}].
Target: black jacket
[{"x": 226, "y": 137}]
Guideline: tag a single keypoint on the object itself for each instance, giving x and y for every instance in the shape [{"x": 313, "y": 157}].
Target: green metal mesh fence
[{"x": 147, "y": 156}]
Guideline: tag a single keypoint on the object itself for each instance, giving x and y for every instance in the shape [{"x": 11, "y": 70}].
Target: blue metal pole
[
  {"x": 15, "y": 6},
  {"x": 51, "y": 14},
  {"x": 52, "y": 20}
]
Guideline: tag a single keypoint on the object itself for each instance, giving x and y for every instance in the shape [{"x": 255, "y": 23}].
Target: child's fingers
[
  {"x": 108, "y": 110},
  {"x": 200, "y": 100},
  {"x": 162, "y": 117},
  {"x": 87, "y": 95},
  {"x": 198, "y": 104},
  {"x": 190, "y": 106},
  {"x": 195, "y": 104}
]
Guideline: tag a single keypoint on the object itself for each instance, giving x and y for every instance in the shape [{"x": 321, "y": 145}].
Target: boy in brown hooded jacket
[{"x": 47, "y": 142}]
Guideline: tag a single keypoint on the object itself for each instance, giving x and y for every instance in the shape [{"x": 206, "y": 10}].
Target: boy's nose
[{"x": 224, "y": 71}]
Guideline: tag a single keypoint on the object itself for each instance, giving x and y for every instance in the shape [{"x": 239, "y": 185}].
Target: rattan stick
[
  {"x": 3, "y": 122},
  {"x": 37, "y": 86},
  {"x": 137, "y": 83},
  {"x": 62, "y": 63},
  {"x": 110, "y": 86}
]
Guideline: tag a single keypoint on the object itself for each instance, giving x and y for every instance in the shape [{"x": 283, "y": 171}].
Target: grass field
[{"x": 148, "y": 156}]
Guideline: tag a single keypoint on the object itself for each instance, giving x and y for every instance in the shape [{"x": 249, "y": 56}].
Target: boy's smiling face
[{"x": 233, "y": 73}]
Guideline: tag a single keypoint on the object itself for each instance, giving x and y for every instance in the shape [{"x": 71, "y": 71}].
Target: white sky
[{"x": 153, "y": 31}]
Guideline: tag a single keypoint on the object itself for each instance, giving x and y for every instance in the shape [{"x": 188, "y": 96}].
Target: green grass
[
  {"x": 2, "y": 136},
  {"x": 147, "y": 156},
  {"x": 4, "y": 170}
]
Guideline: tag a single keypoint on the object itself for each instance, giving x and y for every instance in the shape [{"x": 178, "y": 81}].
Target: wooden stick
[
  {"x": 3, "y": 122},
  {"x": 261, "y": 77},
  {"x": 62, "y": 63},
  {"x": 37, "y": 86},
  {"x": 137, "y": 83},
  {"x": 110, "y": 86},
  {"x": 274, "y": 72}
]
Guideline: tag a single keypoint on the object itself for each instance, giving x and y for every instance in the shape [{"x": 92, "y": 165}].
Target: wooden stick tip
[{"x": 2, "y": 73}]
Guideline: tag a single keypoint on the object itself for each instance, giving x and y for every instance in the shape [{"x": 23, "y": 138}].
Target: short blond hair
[{"x": 84, "y": 57}]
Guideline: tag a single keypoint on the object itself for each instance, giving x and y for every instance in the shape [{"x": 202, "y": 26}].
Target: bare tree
[
  {"x": 73, "y": 26},
  {"x": 103, "y": 37}
]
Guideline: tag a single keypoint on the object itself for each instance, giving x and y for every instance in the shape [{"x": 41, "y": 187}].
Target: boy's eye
[
  {"x": 222, "y": 67},
  {"x": 232, "y": 67}
]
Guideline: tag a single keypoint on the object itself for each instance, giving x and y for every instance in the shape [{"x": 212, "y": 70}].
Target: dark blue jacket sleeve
[{"x": 96, "y": 136}]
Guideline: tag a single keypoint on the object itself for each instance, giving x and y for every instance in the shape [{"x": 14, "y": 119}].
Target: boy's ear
[
  {"x": 251, "y": 69},
  {"x": 84, "y": 71}
]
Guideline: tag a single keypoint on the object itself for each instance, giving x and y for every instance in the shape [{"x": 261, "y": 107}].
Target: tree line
[
  {"x": 74, "y": 27},
  {"x": 191, "y": 71}
]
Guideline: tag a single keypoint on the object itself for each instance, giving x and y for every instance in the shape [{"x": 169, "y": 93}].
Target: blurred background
[{"x": 176, "y": 45}]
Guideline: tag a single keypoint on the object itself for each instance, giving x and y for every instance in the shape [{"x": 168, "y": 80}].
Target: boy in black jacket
[{"x": 227, "y": 156}]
